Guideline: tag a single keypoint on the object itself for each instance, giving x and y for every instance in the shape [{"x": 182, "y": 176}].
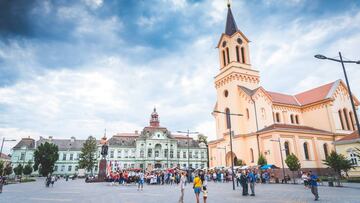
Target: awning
[{"x": 268, "y": 166}]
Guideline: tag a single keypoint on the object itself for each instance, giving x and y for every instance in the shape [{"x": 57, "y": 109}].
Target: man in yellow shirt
[{"x": 197, "y": 187}]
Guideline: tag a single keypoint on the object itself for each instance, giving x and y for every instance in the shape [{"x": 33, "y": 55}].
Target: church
[{"x": 270, "y": 123}]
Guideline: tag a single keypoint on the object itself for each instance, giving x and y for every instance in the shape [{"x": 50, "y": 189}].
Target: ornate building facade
[{"x": 305, "y": 124}]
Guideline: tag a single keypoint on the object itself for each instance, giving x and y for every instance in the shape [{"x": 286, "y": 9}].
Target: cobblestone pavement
[{"x": 78, "y": 191}]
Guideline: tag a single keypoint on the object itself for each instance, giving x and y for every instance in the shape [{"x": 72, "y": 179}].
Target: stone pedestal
[{"x": 102, "y": 170}]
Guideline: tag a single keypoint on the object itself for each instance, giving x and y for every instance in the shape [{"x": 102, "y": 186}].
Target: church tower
[{"x": 235, "y": 72}]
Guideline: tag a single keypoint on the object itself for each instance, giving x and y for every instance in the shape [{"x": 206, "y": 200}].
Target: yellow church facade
[{"x": 306, "y": 124}]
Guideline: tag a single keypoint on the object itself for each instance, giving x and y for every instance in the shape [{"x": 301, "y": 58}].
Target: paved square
[{"x": 78, "y": 191}]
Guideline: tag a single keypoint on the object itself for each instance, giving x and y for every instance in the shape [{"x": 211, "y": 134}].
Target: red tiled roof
[
  {"x": 292, "y": 127},
  {"x": 283, "y": 98},
  {"x": 314, "y": 95},
  {"x": 352, "y": 136},
  {"x": 4, "y": 156}
]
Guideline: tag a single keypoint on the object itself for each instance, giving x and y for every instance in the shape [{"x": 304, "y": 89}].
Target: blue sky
[{"x": 73, "y": 68}]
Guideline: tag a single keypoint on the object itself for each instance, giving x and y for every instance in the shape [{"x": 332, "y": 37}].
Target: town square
[{"x": 179, "y": 101}]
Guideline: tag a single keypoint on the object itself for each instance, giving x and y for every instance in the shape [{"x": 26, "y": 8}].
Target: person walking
[
  {"x": 197, "y": 187},
  {"x": 52, "y": 181},
  {"x": 252, "y": 180},
  {"x": 182, "y": 187},
  {"x": 244, "y": 183},
  {"x": 140, "y": 181},
  {"x": 313, "y": 184}
]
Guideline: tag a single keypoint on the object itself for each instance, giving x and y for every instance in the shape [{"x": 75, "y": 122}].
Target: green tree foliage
[
  {"x": 8, "y": 169},
  {"x": 87, "y": 158},
  {"x": 18, "y": 170},
  {"x": 338, "y": 163},
  {"x": 202, "y": 138},
  {"x": 2, "y": 166},
  {"x": 293, "y": 163},
  {"x": 45, "y": 157},
  {"x": 28, "y": 169},
  {"x": 239, "y": 162},
  {"x": 261, "y": 160}
]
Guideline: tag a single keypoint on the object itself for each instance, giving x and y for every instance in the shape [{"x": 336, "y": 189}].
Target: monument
[{"x": 102, "y": 164}]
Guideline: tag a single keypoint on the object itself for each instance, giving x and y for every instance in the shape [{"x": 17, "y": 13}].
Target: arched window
[
  {"x": 297, "y": 119},
  {"x": 141, "y": 153},
  {"x": 228, "y": 121},
  {"x": 247, "y": 114},
  {"x": 252, "y": 155},
  {"x": 287, "y": 148},
  {"x": 351, "y": 120},
  {"x": 243, "y": 55},
  {"x": 341, "y": 120},
  {"x": 237, "y": 54},
  {"x": 292, "y": 118},
  {"x": 228, "y": 55},
  {"x": 306, "y": 151},
  {"x": 224, "y": 60},
  {"x": 277, "y": 117},
  {"x": 326, "y": 152},
  {"x": 346, "y": 119}
]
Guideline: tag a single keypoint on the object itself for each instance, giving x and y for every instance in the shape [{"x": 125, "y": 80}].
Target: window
[
  {"x": 22, "y": 156},
  {"x": 64, "y": 157},
  {"x": 196, "y": 165},
  {"x": 252, "y": 155},
  {"x": 351, "y": 120},
  {"x": 125, "y": 165},
  {"x": 112, "y": 154},
  {"x": 243, "y": 55},
  {"x": 228, "y": 121},
  {"x": 126, "y": 153},
  {"x": 69, "y": 168},
  {"x": 353, "y": 158},
  {"x": 71, "y": 157},
  {"x": 142, "y": 166},
  {"x": 341, "y": 120},
  {"x": 237, "y": 54},
  {"x": 306, "y": 151},
  {"x": 166, "y": 152},
  {"x": 171, "y": 154},
  {"x": 190, "y": 155},
  {"x": 96, "y": 168},
  {"x": 62, "y": 168},
  {"x": 297, "y": 119},
  {"x": 228, "y": 55},
  {"x": 55, "y": 168},
  {"x": 287, "y": 148},
  {"x": 277, "y": 115},
  {"x": 346, "y": 119},
  {"x": 119, "y": 153},
  {"x": 149, "y": 152},
  {"x": 133, "y": 153},
  {"x": 141, "y": 153},
  {"x": 77, "y": 168},
  {"x": 178, "y": 154},
  {"x": 292, "y": 118},
  {"x": 326, "y": 153},
  {"x": 196, "y": 155},
  {"x": 202, "y": 155},
  {"x": 132, "y": 165},
  {"x": 224, "y": 61},
  {"x": 247, "y": 114},
  {"x": 226, "y": 93},
  {"x": 184, "y": 155},
  {"x": 156, "y": 153}
]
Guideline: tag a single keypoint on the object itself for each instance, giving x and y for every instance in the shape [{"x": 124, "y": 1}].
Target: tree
[
  {"x": 87, "y": 158},
  {"x": 239, "y": 162},
  {"x": 8, "y": 169},
  {"x": 45, "y": 156},
  {"x": 202, "y": 138},
  {"x": 338, "y": 163},
  {"x": 2, "y": 166},
  {"x": 261, "y": 160},
  {"x": 28, "y": 169},
  {"x": 18, "y": 170},
  {"x": 293, "y": 163}
]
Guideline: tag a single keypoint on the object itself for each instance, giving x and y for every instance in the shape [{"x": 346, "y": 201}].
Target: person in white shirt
[{"x": 182, "y": 186}]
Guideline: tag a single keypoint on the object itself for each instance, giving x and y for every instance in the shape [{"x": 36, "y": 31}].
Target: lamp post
[
  {"x": 282, "y": 161},
  {"x": 2, "y": 145},
  {"x": 228, "y": 120},
  {"x": 319, "y": 56},
  {"x": 188, "y": 148},
  {"x": 224, "y": 148}
]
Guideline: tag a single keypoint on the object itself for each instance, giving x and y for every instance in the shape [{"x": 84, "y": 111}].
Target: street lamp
[
  {"x": 282, "y": 161},
  {"x": 228, "y": 114},
  {"x": 319, "y": 56},
  {"x": 188, "y": 148},
  {"x": 2, "y": 145}
]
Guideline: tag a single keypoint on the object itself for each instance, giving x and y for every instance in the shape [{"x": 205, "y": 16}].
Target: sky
[{"x": 74, "y": 68}]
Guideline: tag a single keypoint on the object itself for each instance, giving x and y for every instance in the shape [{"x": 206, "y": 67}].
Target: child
[{"x": 205, "y": 193}]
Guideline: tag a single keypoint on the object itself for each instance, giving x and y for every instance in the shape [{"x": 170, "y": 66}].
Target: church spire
[{"x": 231, "y": 27}]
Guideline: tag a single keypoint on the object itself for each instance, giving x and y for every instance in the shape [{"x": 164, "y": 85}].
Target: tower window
[
  {"x": 243, "y": 54},
  {"x": 306, "y": 151},
  {"x": 237, "y": 54},
  {"x": 228, "y": 55},
  {"x": 346, "y": 119},
  {"x": 224, "y": 61},
  {"x": 341, "y": 120},
  {"x": 292, "y": 118},
  {"x": 226, "y": 93},
  {"x": 297, "y": 119},
  {"x": 277, "y": 117},
  {"x": 228, "y": 121}
]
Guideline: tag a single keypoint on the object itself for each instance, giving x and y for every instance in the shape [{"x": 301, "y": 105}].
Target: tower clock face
[
  {"x": 239, "y": 40},
  {"x": 224, "y": 44}
]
